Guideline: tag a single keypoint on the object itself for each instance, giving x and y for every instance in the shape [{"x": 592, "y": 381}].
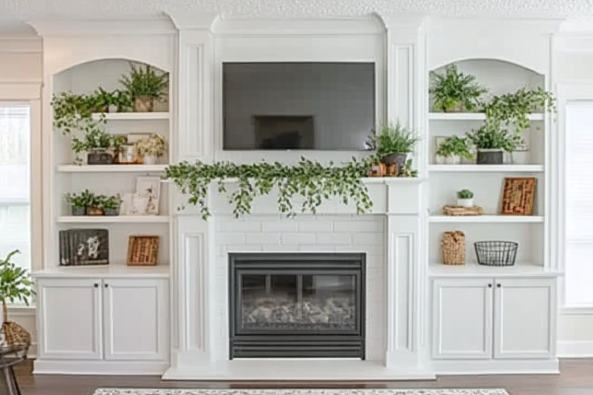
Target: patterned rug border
[{"x": 300, "y": 391}]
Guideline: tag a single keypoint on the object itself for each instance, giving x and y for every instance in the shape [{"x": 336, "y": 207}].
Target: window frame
[
  {"x": 30, "y": 94},
  {"x": 567, "y": 92}
]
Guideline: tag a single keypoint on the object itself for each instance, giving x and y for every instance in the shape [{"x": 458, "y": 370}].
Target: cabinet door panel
[
  {"x": 69, "y": 318},
  {"x": 462, "y": 319},
  {"x": 525, "y": 318},
  {"x": 136, "y": 319}
]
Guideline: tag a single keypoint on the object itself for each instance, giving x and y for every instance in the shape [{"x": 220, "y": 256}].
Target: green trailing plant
[
  {"x": 15, "y": 284},
  {"x": 454, "y": 89},
  {"x": 74, "y": 113},
  {"x": 121, "y": 99},
  {"x": 490, "y": 137},
  {"x": 310, "y": 180},
  {"x": 465, "y": 194},
  {"x": 455, "y": 146},
  {"x": 145, "y": 80},
  {"x": 407, "y": 171},
  {"x": 392, "y": 139},
  {"x": 110, "y": 202},
  {"x": 512, "y": 110}
]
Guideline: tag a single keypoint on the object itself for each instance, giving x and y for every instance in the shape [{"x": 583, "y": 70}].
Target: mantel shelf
[
  {"x": 112, "y": 168},
  {"x": 134, "y": 116},
  {"x": 470, "y": 168},
  {"x": 472, "y": 269},
  {"x": 106, "y": 219},
  {"x": 469, "y": 116},
  {"x": 486, "y": 219}
]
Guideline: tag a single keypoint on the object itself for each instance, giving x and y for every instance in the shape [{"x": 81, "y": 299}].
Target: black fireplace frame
[{"x": 244, "y": 343}]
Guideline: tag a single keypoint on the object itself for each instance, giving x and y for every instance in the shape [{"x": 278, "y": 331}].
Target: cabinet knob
[
  {"x": 96, "y": 285},
  {"x": 106, "y": 285},
  {"x": 498, "y": 285},
  {"x": 489, "y": 285}
]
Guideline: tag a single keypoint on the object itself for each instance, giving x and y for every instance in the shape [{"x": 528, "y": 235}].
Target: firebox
[{"x": 297, "y": 305}]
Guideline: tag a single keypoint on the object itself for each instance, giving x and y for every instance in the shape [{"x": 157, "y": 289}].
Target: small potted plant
[
  {"x": 111, "y": 205},
  {"x": 77, "y": 203},
  {"x": 453, "y": 149},
  {"x": 145, "y": 84},
  {"x": 120, "y": 101},
  {"x": 465, "y": 198},
  {"x": 455, "y": 91},
  {"x": 393, "y": 143},
  {"x": 151, "y": 148},
  {"x": 15, "y": 286},
  {"x": 94, "y": 203},
  {"x": 101, "y": 100},
  {"x": 491, "y": 143}
]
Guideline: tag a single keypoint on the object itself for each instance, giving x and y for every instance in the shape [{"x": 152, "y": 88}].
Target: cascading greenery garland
[{"x": 309, "y": 179}]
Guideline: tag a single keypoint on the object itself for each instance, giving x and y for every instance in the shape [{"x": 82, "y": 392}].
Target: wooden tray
[{"x": 459, "y": 211}]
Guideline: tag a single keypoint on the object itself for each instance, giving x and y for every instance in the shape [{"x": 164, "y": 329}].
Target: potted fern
[
  {"x": 455, "y": 91},
  {"x": 144, "y": 84},
  {"x": 452, "y": 149},
  {"x": 393, "y": 143},
  {"x": 491, "y": 142},
  {"x": 15, "y": 285}
]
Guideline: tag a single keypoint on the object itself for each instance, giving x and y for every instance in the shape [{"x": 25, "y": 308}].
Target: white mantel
[{"x": 396, "y": 302}]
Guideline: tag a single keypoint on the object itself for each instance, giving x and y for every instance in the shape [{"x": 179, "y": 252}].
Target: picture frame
[
  {"x": 143, "y": 250},
  {"x": 150, "y": 189},
  {"x": 518, "y": 196},
  {"x": 133, "y": 204}
]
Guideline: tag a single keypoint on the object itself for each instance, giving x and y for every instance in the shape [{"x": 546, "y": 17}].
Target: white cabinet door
[
  {"x": 525, "y": 318},
  {"x": 136, "y": 319},
  {"x": 462, "y": 318},
  {"x": 69, "y": 317}
]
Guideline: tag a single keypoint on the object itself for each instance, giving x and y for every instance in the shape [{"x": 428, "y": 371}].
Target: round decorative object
[{"x": 149, "y": 160}]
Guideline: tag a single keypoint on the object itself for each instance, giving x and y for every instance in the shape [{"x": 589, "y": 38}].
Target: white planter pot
[
  {"x": 465, "y": 202},
  {"x": 452, "y": 160},
  {"x": 112, "y": 108},
  {"x": 149, "y": 160}
]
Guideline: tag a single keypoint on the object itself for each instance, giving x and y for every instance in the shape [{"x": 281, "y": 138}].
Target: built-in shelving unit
[
  {"x": 486, "y": 181},
  {"x": 112, "y": 179}
]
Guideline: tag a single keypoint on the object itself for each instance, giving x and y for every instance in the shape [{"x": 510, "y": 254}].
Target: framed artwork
[
  {"x": 518, "y": 196},
  {"x": 134, "y": 204},
  {"x": 149, "y": 188}
]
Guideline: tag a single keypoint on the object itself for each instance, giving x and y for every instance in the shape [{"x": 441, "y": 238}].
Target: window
[
  {"x": 15, "y": 185},
  {"x": 579, "y": 204}
]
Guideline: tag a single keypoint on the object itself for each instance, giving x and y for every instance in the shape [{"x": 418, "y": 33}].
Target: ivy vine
[{"x": 309, "y": 179}]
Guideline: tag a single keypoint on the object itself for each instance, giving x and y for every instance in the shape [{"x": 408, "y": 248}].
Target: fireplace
[{"x": 297, "y": 305}]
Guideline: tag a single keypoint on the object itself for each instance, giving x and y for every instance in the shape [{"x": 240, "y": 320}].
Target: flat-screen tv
[{"x": 298, "y": 106}]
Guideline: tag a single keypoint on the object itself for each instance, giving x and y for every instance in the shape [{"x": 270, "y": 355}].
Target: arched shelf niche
[{"x": 498, "y": 76}]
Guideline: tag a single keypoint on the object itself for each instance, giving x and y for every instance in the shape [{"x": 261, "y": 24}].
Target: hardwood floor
[{"x": 576, "y": 378}]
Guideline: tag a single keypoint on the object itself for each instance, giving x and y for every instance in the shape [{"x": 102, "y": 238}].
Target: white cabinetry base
[
  {"x": 100, "y": 367},
  {"x": 469, "y": 367}
]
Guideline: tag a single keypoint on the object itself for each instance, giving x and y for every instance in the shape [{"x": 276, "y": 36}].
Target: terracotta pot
[
  {"x": 94, "y": 211},
  {"x": 144, "y": 104}
]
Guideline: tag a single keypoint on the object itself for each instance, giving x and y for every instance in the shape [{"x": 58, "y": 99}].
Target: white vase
[
  {"x": 452, "y": 160},
  {"x": 465, "y": 202},
  {"x": 149, "y": 160}
]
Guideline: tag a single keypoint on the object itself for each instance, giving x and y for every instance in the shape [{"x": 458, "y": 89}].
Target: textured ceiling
[{"x": 300, "y": 8}]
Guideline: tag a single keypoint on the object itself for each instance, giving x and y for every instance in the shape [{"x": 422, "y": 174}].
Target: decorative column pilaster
[{"x": 191, "y": 272}]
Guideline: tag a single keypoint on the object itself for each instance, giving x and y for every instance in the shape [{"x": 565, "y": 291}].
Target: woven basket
[
  {"x": 14, "y": 334},
  {"x": 453, "y": 246}
]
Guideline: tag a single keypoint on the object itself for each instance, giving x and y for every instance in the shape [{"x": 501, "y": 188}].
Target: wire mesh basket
[{"x": 496, "y": 253}]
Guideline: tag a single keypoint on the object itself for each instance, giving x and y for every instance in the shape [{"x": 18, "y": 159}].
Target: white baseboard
[
  {"x": 490, "y": 366},
  {"x": 575, "y": 349},
  {"x": 133, "y": 368}
]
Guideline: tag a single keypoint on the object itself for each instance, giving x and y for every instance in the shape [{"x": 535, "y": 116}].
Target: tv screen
[{"x": 298, "y": 106}]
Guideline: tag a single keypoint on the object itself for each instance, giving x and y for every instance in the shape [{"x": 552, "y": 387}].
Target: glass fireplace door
[{"x": 297, "y": 303}]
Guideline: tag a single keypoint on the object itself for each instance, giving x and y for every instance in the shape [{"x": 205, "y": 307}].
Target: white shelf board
[
  {"x": 107, "y": 219},
  {"x": 467, "y": 116},
  {"x": 111, "y": 168},
  {"x": 470, "y": 168},
  {"x": 486, "y": 219},
  {"x": 111, "y": 270},
  {"x": 133, "y": 116},
  {"x": 472, "y": 269}
]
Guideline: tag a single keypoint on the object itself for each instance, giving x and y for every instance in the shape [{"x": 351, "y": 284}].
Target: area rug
[{"x": 132, "y": 391}]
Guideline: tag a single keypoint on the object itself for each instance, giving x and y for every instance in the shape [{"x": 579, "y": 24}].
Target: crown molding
[
  {"x": 194, "y": 21},
  {"x": 144, "y": 25},
  {"x": 537, "y": 26}
]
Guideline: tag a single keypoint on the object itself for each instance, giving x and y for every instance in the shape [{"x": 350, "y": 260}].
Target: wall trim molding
[{"x": 575, "y": 349}]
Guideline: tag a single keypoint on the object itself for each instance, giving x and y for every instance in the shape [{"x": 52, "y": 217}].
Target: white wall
[
  {"x": 340, "y": 99},
  {"x": 21, "y": 61}
]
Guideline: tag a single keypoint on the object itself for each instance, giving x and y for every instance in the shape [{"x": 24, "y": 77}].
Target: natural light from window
[
  {"x": 15, "y": 188},
  {"x": 579, "y": 204}
]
